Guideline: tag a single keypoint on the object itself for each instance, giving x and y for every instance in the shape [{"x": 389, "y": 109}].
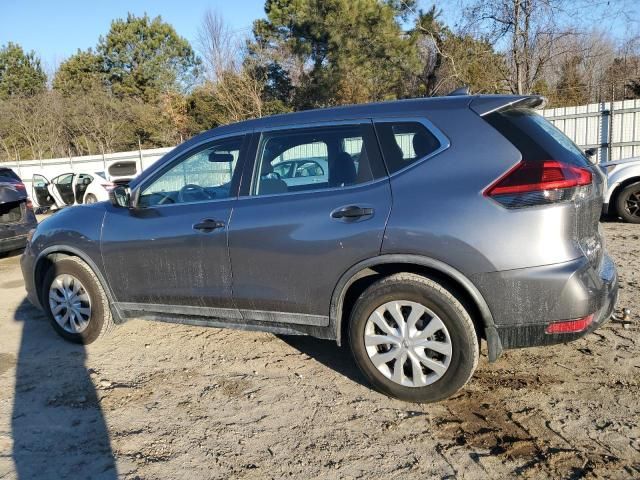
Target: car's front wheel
[
  {"x": 90, "y": 198},
  {"x": 75, "y": 301},
  {"x": 413, "y": 339}
]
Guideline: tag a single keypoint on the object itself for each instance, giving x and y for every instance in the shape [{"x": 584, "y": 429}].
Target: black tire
[
  {"x": 91, "y": 198},
  {"x": 464, "y": 340},
  {"x": 629, "y": 194},
  {"x": 100, "y": 320}
]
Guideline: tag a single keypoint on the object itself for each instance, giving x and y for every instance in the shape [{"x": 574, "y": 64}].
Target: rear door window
[
  {"x": 314, "y": 158},
  {"x": 404, "y": 143}
]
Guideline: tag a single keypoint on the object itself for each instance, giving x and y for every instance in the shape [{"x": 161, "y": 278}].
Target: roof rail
[{"x": 459, "y": 91}]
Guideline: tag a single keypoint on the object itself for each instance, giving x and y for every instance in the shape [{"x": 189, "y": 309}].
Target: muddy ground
[{"x": 168, "y": 401}]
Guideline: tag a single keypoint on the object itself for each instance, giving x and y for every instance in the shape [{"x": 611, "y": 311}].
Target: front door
[
  {"x": 40, "y": 193},
  {"x": 168, "y": 254},
  {"x": 290, "y": 243}
]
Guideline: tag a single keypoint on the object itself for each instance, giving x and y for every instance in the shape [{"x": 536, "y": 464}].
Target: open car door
[
  {"x": 61, "y": 189},
  {"x": 40, "y": 193}
]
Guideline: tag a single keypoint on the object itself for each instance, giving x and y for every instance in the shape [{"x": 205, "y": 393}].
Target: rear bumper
[
  {"x": 13, "y": 243},
  {"x": 14, "y": 235},
  {"x": 524, "y": 302}
]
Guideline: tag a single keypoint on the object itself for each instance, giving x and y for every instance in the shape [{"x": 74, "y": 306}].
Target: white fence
[
  {"x": 613, "y": 128},
  {"x": 86, "y": 164}
]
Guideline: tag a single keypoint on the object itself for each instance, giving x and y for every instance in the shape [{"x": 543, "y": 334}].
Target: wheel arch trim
[
  {"x": 357, "y": 270},
  {"x": 76, "y": 252}
]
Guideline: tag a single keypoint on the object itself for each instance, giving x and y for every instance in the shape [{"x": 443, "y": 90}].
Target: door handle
[
  {"x": 208, "y": 225},
  {"x": 352, "y": 212}
]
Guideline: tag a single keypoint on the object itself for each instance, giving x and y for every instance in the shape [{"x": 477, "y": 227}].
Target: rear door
[
  {"x": 289, "y": 244},
  {"x": 61, "y": 189}
]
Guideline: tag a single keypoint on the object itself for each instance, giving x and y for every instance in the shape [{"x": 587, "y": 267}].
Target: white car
[
  {"x": 78, "y": 188},
  {"x": 622, "y": 197},
  {"x": 299, "y": 171}
]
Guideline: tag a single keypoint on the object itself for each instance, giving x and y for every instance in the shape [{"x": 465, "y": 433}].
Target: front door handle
[
  {"x": 352, "y": 212},
  {"x": 208, "y": 225}
]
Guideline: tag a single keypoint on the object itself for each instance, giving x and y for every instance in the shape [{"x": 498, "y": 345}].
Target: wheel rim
[
  {"x": 632, "y": 205},
  {"x": 69, "y": 303},
  {"x": 91, "y": 199},
  {"x": 408, "y": 343}
]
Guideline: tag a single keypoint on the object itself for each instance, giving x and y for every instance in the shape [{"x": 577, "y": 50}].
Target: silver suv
[{"x": 437, "y": 223}]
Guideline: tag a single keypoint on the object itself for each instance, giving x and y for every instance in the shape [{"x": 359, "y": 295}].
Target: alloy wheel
[{"x": 632, "y": 204}]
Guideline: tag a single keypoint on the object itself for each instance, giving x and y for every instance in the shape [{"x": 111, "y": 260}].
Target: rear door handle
[
  {"x": 352, "y": 212},
  {"x": 208, "y": 225}
]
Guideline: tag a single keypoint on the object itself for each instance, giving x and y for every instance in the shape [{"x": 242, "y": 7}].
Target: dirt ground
[{"x": 168, "y": 401}]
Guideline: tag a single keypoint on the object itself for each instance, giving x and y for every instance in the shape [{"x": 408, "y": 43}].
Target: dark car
[
  {"x": 441, "y": 222},
  {"x": 16, "y": 212}
]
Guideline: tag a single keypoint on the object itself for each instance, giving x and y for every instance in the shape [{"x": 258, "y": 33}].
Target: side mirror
[{"x": 120, "y": 197}]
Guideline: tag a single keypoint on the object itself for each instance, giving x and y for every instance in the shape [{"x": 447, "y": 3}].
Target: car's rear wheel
[
  {"x": 628, "y": 203},
  {"x": 90, "y": 198},
  {"x": 75, "y": 301},
  {"x": 413, "y": 339}
]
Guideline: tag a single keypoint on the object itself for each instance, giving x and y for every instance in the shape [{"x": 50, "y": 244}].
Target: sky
[{"x": 55, "y": 29}]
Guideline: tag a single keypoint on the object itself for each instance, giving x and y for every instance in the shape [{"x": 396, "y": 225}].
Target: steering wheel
[{"x": 193, "y": 193}]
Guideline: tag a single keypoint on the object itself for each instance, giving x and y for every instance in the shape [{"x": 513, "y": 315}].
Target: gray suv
[{"x": 441, "y": 222}]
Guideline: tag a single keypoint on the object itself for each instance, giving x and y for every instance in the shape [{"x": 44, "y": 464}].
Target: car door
[
  {"x": 81, "y": 184},
  {"x": 290, "y": 244},
  {"x": 61, "y": 189},
  {"x": 168, "y": 253},
  {"x": 40, "y": 191}
]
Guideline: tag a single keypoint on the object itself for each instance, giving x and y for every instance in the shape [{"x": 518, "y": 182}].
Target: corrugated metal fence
[{"x": 613, "y": 128}]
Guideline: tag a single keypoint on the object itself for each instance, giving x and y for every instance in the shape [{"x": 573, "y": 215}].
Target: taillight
[
  {"x": 108, "y": 186},
  {"x": 532, "y": 183},
  {"x": 20, "y": 186},
  {"x": 570, "y": 326}
]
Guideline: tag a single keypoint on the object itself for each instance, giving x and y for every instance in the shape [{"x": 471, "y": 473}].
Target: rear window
[
  {"x": 535, "y": 137},
  {"x": 121, "y": 169},
  {"x": 404, "y": 143},
  {"x": 8, "y": 174}
]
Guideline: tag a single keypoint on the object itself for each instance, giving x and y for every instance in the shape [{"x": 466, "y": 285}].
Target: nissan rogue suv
[{"x": 438, "y": 223}]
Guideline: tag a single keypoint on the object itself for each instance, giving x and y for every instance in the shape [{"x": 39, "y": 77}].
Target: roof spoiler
[{"x": 485, "y": 104}]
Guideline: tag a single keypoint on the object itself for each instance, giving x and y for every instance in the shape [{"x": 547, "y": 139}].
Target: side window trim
[
  {"x": 445, "y": 143},
  {"x": 250, "y": 175},
  {"x": 184, "y": 155}
]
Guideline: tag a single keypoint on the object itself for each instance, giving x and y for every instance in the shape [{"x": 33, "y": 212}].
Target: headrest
[{"x": 424, "y": 144}]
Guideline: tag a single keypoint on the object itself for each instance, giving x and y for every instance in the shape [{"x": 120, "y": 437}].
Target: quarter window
[
  {"x": 404, "y": 143},
  {"x": 308, "y": 159},
  {"x": 201, "y": 176}
]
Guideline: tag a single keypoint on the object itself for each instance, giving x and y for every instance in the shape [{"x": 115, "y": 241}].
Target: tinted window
[
  {"x": 6, "y": 174},
  {"x": 404, "y": 143},
  {"x": 202, "y": 175},
  {"x": 314, "y": 158},
  {"x": 120, "y": 169},
  {"x": 535, "y": 137}
]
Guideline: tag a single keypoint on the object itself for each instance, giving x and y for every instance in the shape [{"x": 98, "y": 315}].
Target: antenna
[{"x": 459, "y": 91}]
